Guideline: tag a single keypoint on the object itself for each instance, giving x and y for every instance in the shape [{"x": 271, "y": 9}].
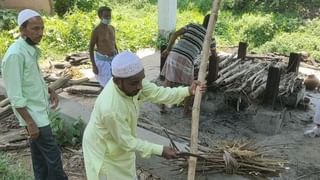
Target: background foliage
[
  {"x": 11, "y": 169},
  {"x": 281, "y": 26},
  {"x": 66, "y": 132}
]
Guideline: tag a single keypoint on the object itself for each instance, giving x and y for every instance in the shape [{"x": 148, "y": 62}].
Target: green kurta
[
  {"x": 110, "y": 138},
  {"x": 24, "y": 83}
]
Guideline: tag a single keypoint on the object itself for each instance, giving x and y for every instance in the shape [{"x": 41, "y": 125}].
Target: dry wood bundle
[
  {"x": 234, "y": 157},
  {"x": 246, "y": 79}
]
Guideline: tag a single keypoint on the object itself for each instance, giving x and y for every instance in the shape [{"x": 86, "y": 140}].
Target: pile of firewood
[
  {"x": 235, "y": 157},
  {"x": 65, "y": 77},
  {"x": 246, "y": 79},
  {"x": 5, "y": 109},
  {"x": 82, "y": 86}
]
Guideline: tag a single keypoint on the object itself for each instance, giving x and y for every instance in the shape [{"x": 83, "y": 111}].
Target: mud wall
[{"x": 39, "y": 5}]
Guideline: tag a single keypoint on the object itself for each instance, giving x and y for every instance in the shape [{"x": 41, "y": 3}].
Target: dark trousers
[{"x": 46, "y": 158}]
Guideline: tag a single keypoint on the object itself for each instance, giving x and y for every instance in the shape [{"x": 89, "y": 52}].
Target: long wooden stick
[{"x": 197, "y": 99}]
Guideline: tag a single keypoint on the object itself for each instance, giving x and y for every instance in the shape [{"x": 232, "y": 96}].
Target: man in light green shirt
[
  {"x": 110, "y": 138},
  {"x": 29, "y": 96}
]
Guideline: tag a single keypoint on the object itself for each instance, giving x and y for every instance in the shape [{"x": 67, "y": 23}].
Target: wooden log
[
  {"x": 291, "y": 85},
  {"x": 60, "y": 82},
  {"x": 262, "y": 57},
  {"x": 198, "y": 95},
  {"x": 242, "y": 50},
  {"x": 4, "y": 109},
  {"x": 227, "y": 74},
  {"x": 247, "y": 81},
  {"x": 50, "y": 78},
  {"x": 257, "y": 92},
  {"x": 91, "y": 83},
  {"x": 77, "y": 57},
  {"x": 4, "y": 102},
  {"x": 294, "y": 62},
  {"x": 60, "y": 90},
  {"x": 81, "y": 90},
  {"x": 252, "y": 78},
  {"x": 272, "y": 87},
  {"x": 283, "y": 82},
  {"x": 258, "y": 81},
  {"x": 227, "y": 60},
  {"x": 78, "y": 81},
  {"x": 259, "y": 78},
  {"x": 213, "y": 68},
  {"x": 286, "y": 83},
  {"x": 223, "y": 56},
  {"x": 62, "y": 65},
  {"x": 222, "y": 71},
  {"x": 236, "y": 75},
  {"x": 14, "y": 146},
  {"x": 79, "y": 62},
  {"x": 5, "y": 112}
]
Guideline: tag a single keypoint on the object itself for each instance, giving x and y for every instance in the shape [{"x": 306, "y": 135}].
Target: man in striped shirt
[{"x": 179, "y": 66}]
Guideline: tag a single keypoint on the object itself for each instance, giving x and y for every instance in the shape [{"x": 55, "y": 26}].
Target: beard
[{"x": 30, "y": 42}]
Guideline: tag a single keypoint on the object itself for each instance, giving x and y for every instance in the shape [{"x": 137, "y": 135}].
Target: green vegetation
[
  {"x": 268, "y": 26},
  {"x": 10, "y": 169},
  {"x": 306, "y": 38},
  {"x": 66, "y": 131}
]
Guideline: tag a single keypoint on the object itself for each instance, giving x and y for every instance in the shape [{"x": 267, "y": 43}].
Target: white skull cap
[
  {"x": 25, "y": 15},
  {"x": 126, "y": 64}
]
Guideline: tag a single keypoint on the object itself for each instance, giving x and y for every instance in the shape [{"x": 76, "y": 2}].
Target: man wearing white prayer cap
[
  {"x": 110, "y": 139},
  {"x": 29, "y": 95}
]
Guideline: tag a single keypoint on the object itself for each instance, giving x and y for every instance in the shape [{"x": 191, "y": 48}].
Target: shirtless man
[{"x": 103, "y": 38}]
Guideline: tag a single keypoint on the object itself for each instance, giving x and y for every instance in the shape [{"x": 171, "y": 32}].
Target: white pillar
[{"x": 167, "y": 16}]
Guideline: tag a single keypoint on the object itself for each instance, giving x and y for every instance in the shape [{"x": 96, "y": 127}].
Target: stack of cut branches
[
  {"x": 5, "y": 109},
  {"x": 248, "y": 77},
  {"x": 73, "y": 81},
  {"x": 243, "y": 158}
]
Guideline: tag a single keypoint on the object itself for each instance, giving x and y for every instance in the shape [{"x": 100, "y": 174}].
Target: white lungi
[{"x": 103, "y": 63}]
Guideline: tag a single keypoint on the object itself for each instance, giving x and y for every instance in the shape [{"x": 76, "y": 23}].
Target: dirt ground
[{"x": 217, "y": 124}]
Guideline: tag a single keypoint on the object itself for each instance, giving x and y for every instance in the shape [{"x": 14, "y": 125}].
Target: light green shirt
[
  {"x": 110, "y": 138},
  {"x": 24, "y": 83}
]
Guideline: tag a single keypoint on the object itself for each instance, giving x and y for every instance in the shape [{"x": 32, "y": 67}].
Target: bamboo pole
[{"x": 197, "y": 99}]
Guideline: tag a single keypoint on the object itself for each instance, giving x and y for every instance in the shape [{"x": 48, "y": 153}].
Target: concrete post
[{"x": 167, "y": 17}]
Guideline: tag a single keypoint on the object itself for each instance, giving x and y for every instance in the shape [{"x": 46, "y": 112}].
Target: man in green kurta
[
  {"x": 110, "y": 138},
  {"x": 29, "y": 96}
]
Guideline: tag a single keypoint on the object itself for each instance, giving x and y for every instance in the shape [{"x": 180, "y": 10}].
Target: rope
[{"x": 231, "y": 163}]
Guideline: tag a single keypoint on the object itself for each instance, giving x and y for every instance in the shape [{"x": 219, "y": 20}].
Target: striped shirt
[{"x": 190, "y": 43}]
